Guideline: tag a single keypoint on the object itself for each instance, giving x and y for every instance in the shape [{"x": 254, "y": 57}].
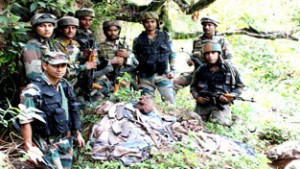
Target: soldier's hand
[
  {"x": 34, "y": 154},
  {"x": 223, "y": 99},
  {"x": 201, "y": 100},
  {"x": 190, "y": 62},
  {"x": 80, "y": 140},
  {"x": 94, "y": 52},
  {"x": 170, "y": 75},
  {"x": 91, "y": 65},
  {"x": 117, "y": 60},
  {"x": 122, "y": 53}
]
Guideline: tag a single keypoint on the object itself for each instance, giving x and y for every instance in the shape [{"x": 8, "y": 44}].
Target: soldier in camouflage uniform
[
  {"x": 84, "y": 33},
  {"x": 43, "y": 26},
  {"x": 67, "y": 27},
  {"x": 50, "y": 117},
  {"x": 209, "y": 26},
  {"x": 213, "y": 77},
  {"x": 153, "y": 50},
  {"x": 117, "y": 53}
]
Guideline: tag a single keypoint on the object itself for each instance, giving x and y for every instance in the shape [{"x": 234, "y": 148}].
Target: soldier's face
[
  {"x": 86, "y": 22},
  {"x": 112, "y": 33},
  {"x": 55, "y": 72},
  {"x": 150, "y": 24},
  {"x": 45, "y": 30},
  {"x": 209, "y": 29},
  {"x": 69, "y": 31},
  {"x": 211, "y": 57}
]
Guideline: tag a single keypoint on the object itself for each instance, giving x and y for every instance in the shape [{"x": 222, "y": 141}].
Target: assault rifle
[
  {"x": 91, "y": 75},
  {"x": 117, "y": 68},
  {"x": 213, "y": 98}
]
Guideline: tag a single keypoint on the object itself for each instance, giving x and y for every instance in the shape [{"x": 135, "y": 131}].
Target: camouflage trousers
[
  {"x": 222, "y": 116},
  {"x": 183, "y": 80},
  {"x": 162, "y": 83},
  {"x": 59, "y": 153}
]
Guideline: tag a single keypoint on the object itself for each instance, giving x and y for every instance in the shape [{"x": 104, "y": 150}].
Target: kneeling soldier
[{"x": 211, "y": 81}]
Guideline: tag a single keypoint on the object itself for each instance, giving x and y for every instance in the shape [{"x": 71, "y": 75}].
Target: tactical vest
[
  {"x": 223, "y": 81},
  {"x": 108, "y": 51},
  {"x": 153, "y": 57},
  {"x": 51, "y": 103}
]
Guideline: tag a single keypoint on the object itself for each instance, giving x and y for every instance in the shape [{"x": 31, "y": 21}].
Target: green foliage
[
  {"x": 7, "y": 118},
  {"x": 225, "y": 160}
]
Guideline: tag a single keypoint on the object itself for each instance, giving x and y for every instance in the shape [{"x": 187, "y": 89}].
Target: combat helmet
[
  {"x": 84, "y": 12},
  {"x": 68, "y": 21},
  {"x": 208, "y": 19},
  {"x": 211, "y": 47},
  {"x": 109, "y": 23},
  {"x": 42, "y": 18},
  {"x": 149, "y": 15}
]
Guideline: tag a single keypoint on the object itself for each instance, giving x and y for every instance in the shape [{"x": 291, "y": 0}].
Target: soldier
[
  {"x": 43, "y": 25},
  {"x": 209, "y": 26},
  {"x": 84, "y": 34},
  {"x": 67, "y": 27},
  {"x": 215, "y": 77},
  {"x": 117, "y": 53},
  {"x": 51, "y": 116},
  {"x": 153, "y": 50}
]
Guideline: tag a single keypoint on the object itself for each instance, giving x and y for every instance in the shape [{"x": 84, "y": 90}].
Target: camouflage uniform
[
  {"x": 108, "y": 51},
  {"x": 154, "y": 57},
  {"x": 87, "y": 43},
  {"x": 226, "y": 80},
  {"x": 56, "y": 115},
  {"x": 36, "y": 48},
  {"x": 71, "y": 48},
  {"x": 80, "y": 33},
  {"x": 197, "y": 57}
]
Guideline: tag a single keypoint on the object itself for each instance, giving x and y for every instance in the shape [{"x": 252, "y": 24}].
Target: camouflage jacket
[
  {"x": 32, "y": 56},
  {"x": 197, "y": 47},
  {"x": 108, "y": 51},
  {"x": 75, "y": 58},
  {"x": 224, "y": 80}
]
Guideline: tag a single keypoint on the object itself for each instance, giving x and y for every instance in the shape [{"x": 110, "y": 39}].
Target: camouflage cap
[
  {"x": 42, "y": 18},
  {"x": 208, "y": 19},
  {"x": 55, "y": 58},
  {"x": 84, "y": 12},
  {"x": 149, "y": 15},
  {"x": 68, "y": 21},
  {"x": 116, "y": 23}
]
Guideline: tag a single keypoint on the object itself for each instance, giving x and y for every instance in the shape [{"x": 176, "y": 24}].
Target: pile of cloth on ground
[{"x": 128, "y": 131}]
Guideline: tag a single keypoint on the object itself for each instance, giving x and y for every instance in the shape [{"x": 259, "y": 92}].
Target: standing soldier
[
  {"x": 153, "y": 49},
  {"x": 211, "y": 81},
  {"x": 43, "y": 26},
  {"x": 117, "y": 52},
  {"x": 67, "y": 27},
  {"x": 84, "y": 34},
  {"x": 56, "y": 118},
  {"x": 210, "y": 33}
]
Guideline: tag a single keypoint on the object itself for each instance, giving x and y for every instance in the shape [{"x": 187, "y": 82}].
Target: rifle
[
  {"x": 89, "y": 77},
  {"x": 117, "y": 69},
  {"x": 213, "y": 98}
]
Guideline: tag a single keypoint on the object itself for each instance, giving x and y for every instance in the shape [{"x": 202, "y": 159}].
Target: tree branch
[
  {"x": 191, "y": 8},
  {"x": 245, "y": 31},
  {"x": 262, "y": 35}
]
